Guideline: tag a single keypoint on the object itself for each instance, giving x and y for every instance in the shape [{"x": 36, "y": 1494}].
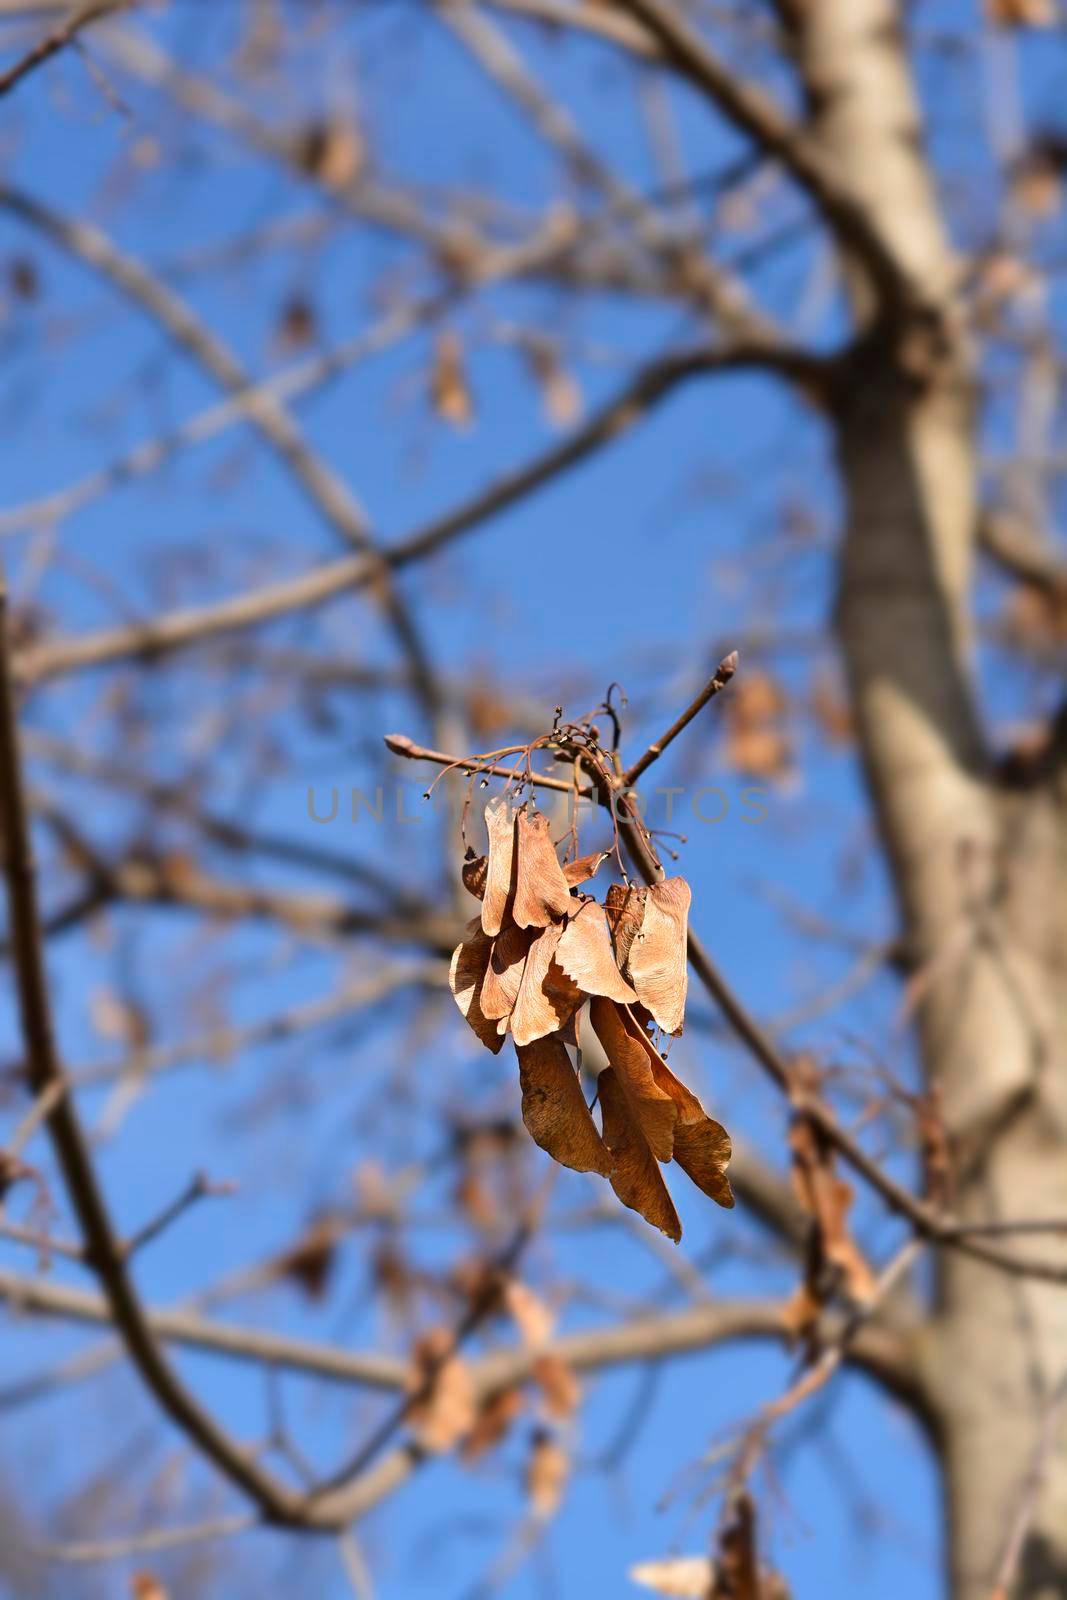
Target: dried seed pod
[
  {"x": 586, "y": 956},
  {"x": 500, "y": 826},
  {"x": 652, "y": 1108},
  {"x": 466, "y": 977},
  {"x": 635, "y": 1176},
  {"x": 503, "y": 976},
  {"x": 541, "y": 891},
  {"x": 554, "y": 1108},
  {"x": 657, "y": 961},
  {"x": 547, "y": 998}
]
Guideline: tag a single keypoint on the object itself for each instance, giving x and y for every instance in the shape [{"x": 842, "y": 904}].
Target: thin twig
[
  {"x": 38, "y": 1112},
  {"x": 38, "y": 1385},
  {"x": 833, "y": 1353},
  {"x": 58, "y": 40},
  {"x": 44, "y": 1243},
  {"x": 715, "y": 685},
  {"x": 705, "y": 281},
  {"x": 401, "y": 745},
  {"x": 198, "y": 1188},
  {"x": 609, "y": 24},
  {"x": 356, "y": 1569},
  {"x": 481, "y": 1307},
  {"x": 217, "y": 1044}
]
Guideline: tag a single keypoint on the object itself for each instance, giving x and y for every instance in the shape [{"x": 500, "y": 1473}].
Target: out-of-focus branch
[
  {"x": 494, "y": 265},
  {"x": 347, "y": 1481},
  {"x": 200, "y": 1187},
  {"x": 149, "y": 640},
  {"x": 1014, "y": 544},
  {"x": 293, "y": 381},
  {"x": 58, "y": 40},
  {"x": 836, "y": 1346},
  {"x": 718, "y": 291},
  {"x": 44, "y": 1243},
  {"x": 325, "y": 489},
  {"x": 102, "y": 1248},
  {"x": 152, "y": 1540},
  {"x": 608, "y": 23},
  {"x": 223, "y": 1043},
  {"x": 756, "y": 114},
  {"x": 143, "y": 879},
  {"x": 237, "y": 837},
  {"x": 550, "y": 254},
  {"x": 602, "y": 22},
  {"x": 1030, "y": 1492},
  {"x": 47, "y": 1298},
  {"x": 882, "y": 1351},
  {"x": 385, "y": 208},
  {"x": 462, "y": 250},
  {"x": 769, "y": 1196}
]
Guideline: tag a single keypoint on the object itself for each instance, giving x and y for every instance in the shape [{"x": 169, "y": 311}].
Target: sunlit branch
[
  {"x": 884, "y": 1351},
  {"x": 324, "y": 487},
  {"x": 715, "y": 685},
  {"x": 149, "y": 640}
]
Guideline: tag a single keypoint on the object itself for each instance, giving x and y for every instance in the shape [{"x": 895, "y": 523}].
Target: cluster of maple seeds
[{"x": 542, "y": 951}]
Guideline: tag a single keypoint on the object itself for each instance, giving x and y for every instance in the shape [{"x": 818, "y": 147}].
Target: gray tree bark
[{"x": 979, "y": 871}]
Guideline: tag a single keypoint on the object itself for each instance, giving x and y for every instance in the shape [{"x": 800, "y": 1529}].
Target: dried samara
[{"x": 542, "y": 960}]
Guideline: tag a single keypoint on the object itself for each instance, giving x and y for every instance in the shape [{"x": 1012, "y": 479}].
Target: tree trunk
[
  {"x": 980, "y": 872},
  {"x": 980, "y": 881}
]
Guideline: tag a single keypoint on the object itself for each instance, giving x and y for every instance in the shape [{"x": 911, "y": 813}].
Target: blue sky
[{"x": 715, "y": 519}]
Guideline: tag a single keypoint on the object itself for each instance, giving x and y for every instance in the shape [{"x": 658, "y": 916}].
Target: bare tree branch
[
  {"x": 58, "y": 40},
  {"x": 142, "y": 879},
  {"x": 1014, "y": 545},
  {"x": 87, "y": 1551},
  {"x": 723, "y": 294},
  {"x": 884, "y": 1352},
  {"x": 325, "y": 489},
  {"x": 715, "y": 685},
  {"x": 612, "y": 25},
  {"x": 453, "y": 243},
  {"x": 757, "y": 115},
  {"x": 103, "y": 1250},
  {"x": 1029, "y": 1493},
  {"x": 160, "y": 636}
]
